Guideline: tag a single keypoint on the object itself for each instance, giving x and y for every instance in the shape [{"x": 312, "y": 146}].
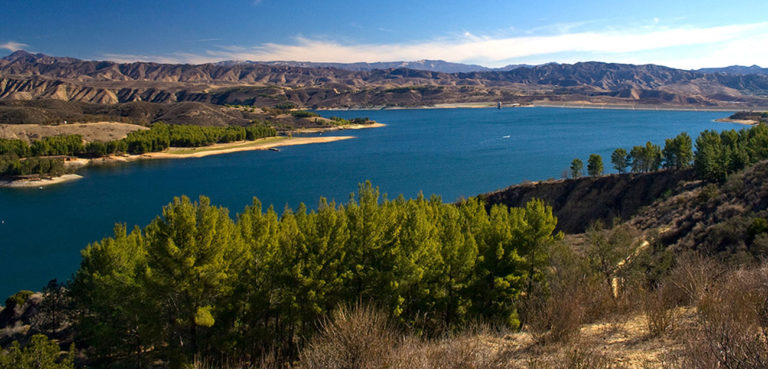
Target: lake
[{"x": 451, "y": 152}]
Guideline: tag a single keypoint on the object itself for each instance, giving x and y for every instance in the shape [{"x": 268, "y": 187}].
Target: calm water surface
[{"x": 452, "y": 152}]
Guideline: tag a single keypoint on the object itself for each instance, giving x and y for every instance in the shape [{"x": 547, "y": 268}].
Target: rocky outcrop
[{"x": 17, "y": 316}]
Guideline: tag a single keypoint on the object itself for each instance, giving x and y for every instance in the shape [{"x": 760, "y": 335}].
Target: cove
[{"x": 450, "y": 152}]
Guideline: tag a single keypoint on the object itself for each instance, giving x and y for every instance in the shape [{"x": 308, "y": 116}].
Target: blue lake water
[{"x": 451, "y": 152}]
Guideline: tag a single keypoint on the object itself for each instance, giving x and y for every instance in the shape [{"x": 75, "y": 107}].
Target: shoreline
[
  {"x": 239, "y": 146},
  {"x": 261, "y": 144},
  {"x": 492, "y": 105},
  {"x": 340, "y": 128},
  {"x": 181, "y": 153},
  {"x": 746, "y": 122},
  {"x": 39, "y": 182}
]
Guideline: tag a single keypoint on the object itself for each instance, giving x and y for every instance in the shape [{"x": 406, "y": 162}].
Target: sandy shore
[
  {"x": 340, "y": 128},
  {"x": 26, "y": 183},
  {"x": 174, "y": 153},
  {"x": 748, "y": 122},
  {"x": 587, "y": 105},
  {"x": 549, "y": 104},
  {"x": 264, "y": 144}
]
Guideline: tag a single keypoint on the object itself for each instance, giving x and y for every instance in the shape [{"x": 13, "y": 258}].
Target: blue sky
[{"x": 684, "y": 34}]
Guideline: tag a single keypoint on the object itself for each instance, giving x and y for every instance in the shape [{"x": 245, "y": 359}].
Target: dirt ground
[{"x": 99, "y": 131}]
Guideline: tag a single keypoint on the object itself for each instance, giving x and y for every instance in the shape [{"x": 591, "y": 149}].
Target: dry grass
[
  {"x": 362, "y": 337},
  {"x": 660, "y": 310},
  {"x": 353, "y": 337},
  {"x": 732, "y": 325},
  {"x": 100, "y": 131}
]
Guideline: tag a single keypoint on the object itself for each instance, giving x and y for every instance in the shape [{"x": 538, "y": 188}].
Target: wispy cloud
[
  {"x": 175, "y": 58},
  {"x": 715, "y": 46},
  {"x": 13, "y": 46}
]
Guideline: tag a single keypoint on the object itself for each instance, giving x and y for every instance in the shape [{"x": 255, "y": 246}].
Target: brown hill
[
  {"x": 25, "y": 76},
  {"x": 56, "y": 112},
  {"x": 581, "y": 201}
]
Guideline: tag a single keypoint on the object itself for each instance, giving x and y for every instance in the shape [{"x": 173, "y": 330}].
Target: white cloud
[
  {"x": 13, "y": 46},
  {"x": 730, "y": 44},
  {"x": 130, "y": 58}
]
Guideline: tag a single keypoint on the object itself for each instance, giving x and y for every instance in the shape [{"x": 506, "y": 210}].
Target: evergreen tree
[
  {"x": 711, "y": 158},
  {"x": 577, "y": 168},
  {"x": 194, "y": 255},
  {"x": 38, "y": 353},
  {"x": 646, "y": 158},
  {"x": 595, "y": 165},
  {"x": 678, "y": 152},
  {"x": 115, "y": 305},
  {"x": 620, "y": 160}
]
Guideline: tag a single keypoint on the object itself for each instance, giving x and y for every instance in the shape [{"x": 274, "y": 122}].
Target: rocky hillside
[
  {"x": 729, "y": 219},
  {"x": 56, "y": 112},
  {"x": 581, "y": 201},
  {"x": 139, "y": 112},
  {"x": 25, "y": 76}
]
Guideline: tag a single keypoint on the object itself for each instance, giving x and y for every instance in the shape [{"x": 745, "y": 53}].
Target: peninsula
[{"x": 33, "y": 155}]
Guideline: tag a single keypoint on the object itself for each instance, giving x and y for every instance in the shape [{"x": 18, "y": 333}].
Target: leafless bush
[
  {"x": 733, "y": 320},
  {"x": 692, "y": 277},
  {"x": 357, "y": 337},
  {"x": 557, "y": 317},
  {"x": 576, "y": 358},
  {"x": 585, "y": 359},
  {"x": 464, "y": 351},
  {"x": 364, "y": 337},
  {"x": 659, "y": 309}
]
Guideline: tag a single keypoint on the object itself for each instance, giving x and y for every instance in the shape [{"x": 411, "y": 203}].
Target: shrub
[
  {"x": 733, "y": 318},
  {"x": 659, "y": 309},
  {"x": 358, "y": 336},
  {"x": 693, "y": 276},
  {"x": 38, "y": 353},
  {"x": 579, "y": 358},
  {"x": 18, "y": 299},
  {"x": 709, "y": 192},
  {"x": 304, "y": 114}
]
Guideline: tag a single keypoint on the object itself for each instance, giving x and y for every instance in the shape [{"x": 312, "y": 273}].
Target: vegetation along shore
[{"x": 44, "y": 155}]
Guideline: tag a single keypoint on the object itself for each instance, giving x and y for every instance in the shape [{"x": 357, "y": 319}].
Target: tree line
[
  {"x": 717, "y": 154},
  {"x": 159, "y": 137},
  {"x": 17, "y": 157},
  {"x": 196, "y": 283},
  {"x": 12, "y": 166},
  {"x": 343, "y": 122}
]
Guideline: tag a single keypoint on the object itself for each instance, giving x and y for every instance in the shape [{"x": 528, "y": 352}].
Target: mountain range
[
  {"x": 736, "y": 69},
  {"x": 26, "y": 76},
  {"x": 428, "y": 65}
]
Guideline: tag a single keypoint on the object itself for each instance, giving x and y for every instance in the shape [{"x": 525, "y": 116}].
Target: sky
[{"x": 682, "y": 34}]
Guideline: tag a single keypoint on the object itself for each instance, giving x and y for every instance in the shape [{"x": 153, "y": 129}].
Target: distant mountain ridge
[
  {"x": 25, "y": 76},
  {"x": 736, "y": 69},
  {"x": 427, "y": 65}
]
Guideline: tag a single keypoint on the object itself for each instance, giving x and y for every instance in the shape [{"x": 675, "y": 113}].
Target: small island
[{"x": 746, "y": 117}]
